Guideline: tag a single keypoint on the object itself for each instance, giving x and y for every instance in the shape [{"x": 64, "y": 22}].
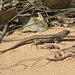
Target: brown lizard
[{"x": 37, "y": 39}]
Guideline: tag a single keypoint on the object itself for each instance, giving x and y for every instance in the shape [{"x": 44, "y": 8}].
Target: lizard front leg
[{"x": 57, "y": 40}]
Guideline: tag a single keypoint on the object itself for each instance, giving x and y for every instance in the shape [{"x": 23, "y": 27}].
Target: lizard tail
[{"x": 2, "y": 52}]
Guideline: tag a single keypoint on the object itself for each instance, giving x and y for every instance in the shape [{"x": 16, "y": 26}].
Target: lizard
[{"x": 37, "y": 39}]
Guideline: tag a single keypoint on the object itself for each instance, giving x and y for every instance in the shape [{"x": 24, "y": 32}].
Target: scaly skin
[{"x": 37, "y": 39}]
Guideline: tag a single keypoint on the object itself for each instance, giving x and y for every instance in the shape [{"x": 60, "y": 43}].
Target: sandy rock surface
[{"x": 14, "y": 62}]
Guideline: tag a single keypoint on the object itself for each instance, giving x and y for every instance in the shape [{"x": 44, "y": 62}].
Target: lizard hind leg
[{"x": 36, "y": 42}]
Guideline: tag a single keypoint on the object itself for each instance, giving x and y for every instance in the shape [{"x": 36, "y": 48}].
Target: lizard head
[{"x": 63, "y": 34}]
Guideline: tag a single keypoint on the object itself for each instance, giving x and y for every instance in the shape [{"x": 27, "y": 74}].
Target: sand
[{"x": 14, "y": 62}]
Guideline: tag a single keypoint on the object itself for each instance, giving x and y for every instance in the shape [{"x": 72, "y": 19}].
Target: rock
[
  {"x": 40, "y": 26},
  {"x": 56, "y": 4}
]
